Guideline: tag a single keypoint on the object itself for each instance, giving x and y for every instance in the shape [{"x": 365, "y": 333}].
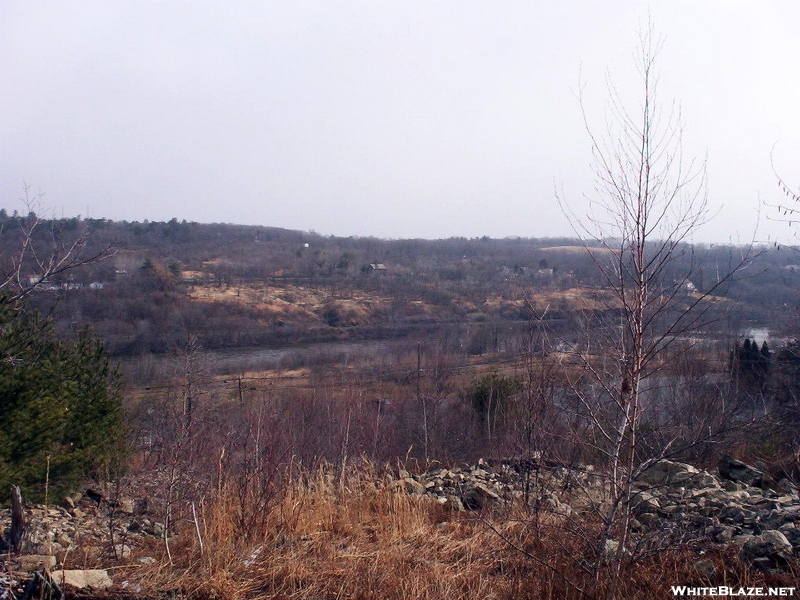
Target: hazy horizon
[{"x": 397, "y": 121}]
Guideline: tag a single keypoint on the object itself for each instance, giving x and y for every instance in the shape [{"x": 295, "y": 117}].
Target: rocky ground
[
  {"x": 88, "y": 530},
  {"x": 672, "y": 502}
]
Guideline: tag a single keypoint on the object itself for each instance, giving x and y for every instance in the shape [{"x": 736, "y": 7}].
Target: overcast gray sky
[{"x": 395, "y": 119}]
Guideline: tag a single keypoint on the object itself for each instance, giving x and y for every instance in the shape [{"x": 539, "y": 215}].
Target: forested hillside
[{"x": 236, "y": 286}]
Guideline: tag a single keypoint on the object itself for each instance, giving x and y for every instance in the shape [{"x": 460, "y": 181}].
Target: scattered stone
[
  {"x": 792, "y": 534},
  {"x": 733, "y": 486},
  {"x": 34, "y": 562},
  {"x": 705, "y": 567},
  {"x": 648, "y": 518},
  {"x": 454, "y": 504},
  {"x": 126, "y": 506},
  {"x": 742, "y": 539},
  {"x": 669, "y": 497},
  {"x": 97, "y": 579},
  {"x": 724, "y": 534},
  {"x": 610, "y": 547},
  {"x": 413, "y": 486},
  {"x": 122, "y": 551},
  {"x": 732, "y": 514}
]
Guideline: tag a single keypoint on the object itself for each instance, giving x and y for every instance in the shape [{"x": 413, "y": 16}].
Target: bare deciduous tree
[
  {"x": 41, "y": 253},
  {"x": 787, "y": 211},
  {"x": 649, "y": 199}
]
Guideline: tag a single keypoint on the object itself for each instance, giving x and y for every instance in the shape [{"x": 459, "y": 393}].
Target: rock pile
[
  {"x": 89, "y": 521},
  {"x": 458, "y": 489},
  {"x": 733, "y": 508},
  {"x": 670, "y": 499},
  {"x": 102, "y": 530},
  {"x": 488, "y": 483}
]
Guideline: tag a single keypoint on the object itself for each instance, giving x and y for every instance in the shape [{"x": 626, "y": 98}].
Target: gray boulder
[
  {"x": 454, "y": 504},
  {"x": 792, "y": 534},
  {"x": 724, "y": 534},
  {"x": 770, "y": 544},
  {"x": 735, "y": 470},
  {"x": 675, "y": 474},
  {"x": 479, "y": 496},
  {"x": 610, "y": 547},
  {"x": 644, "y": 502}
]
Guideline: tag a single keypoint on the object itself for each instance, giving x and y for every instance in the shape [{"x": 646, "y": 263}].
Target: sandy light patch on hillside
[
  {"x": 292, "y": 300},
  {"x": 571, "y": 299}
]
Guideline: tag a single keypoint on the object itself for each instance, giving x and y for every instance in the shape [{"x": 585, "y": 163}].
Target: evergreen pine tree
[
  {"x": 764, "y": 363},
  {"x": 60, "y": 403}
]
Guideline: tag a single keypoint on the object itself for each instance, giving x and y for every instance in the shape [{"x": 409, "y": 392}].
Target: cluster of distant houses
[
  {"x": 545, "y": 273},
  {"x": 56, "y": 286}
]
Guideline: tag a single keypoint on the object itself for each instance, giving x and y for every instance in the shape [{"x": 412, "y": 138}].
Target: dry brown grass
[
  {"x": 324, "y": 540},
  {"x": 364, "y": 539}
]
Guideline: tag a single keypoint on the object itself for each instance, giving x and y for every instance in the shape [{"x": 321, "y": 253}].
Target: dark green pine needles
[{"x": 60, "y": 407}]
